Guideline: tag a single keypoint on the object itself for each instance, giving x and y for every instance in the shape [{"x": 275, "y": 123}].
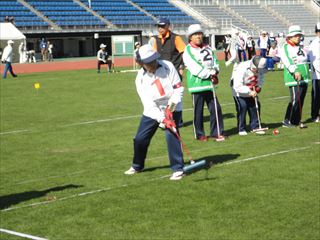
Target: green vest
[
  {"x": 196, "y": 84},
  {"x": 303, "y": 68}
]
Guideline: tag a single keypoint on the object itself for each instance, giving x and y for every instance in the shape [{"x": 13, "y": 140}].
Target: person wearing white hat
[
  {"x": 296, "y": 75},
  {"x": 158, "y": 85},
  {"x": 7, "y": 59},
  {"x": 246, "y": 82},
  {"x": 202, "y": 76},
  {"x": 264, "y": 43},
  {"x": 103, "y": 58},
  {"x": 314, "y": 57}
]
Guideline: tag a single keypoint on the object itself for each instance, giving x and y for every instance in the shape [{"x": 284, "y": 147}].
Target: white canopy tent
[{"x": 9, "y": 32}]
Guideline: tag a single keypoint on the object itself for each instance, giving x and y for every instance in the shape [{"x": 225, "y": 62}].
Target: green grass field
[{"x": 64, "y": 149}]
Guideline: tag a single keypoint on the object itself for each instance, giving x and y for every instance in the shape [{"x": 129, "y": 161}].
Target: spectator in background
[
  {"x": 241, "y": 47},
  {"x": 31, "y": 56},
  {"x": 226, "y": 46},
  {"x": 152, "y": 39},
  {"x": 12, "y": 20},
  {"x": 272, "y": 56},
  {"x": 7, "y": 59},
  {"x": 314, "y": 57},
  {"x": 251, "y": 47},
  {"x": 103, "y": 58},
  {"x": 170, "y": 46},
  {"x": 44, "y": 49},
  {"x": 22, "y": 53},
  {"x": 137, "y": 45},
  {"x": 264, "y": 44},
  {"x": 50, "y": 51},
  {"x": 6, "y": 19}
]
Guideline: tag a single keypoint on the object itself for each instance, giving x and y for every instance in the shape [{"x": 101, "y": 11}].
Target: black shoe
[
  {"x": 287, "y": 125},
  {"x": 14, "y": 75}
]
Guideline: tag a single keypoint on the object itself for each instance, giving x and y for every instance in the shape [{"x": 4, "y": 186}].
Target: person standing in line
[
  {"x": 241, "y": 47},
  {"x": 296, "y": 76},
  {"x": 43, "y": 48},
  {"x": 157, "y": 84},
  {"x": 170, "y": 46},
  {"x": 202, "y": 74},
  {"x": 314, "y": 57},
  {"x": 7, "y": 59},
  {"x": 226, "y": 46},
  {"x": 22, "y": 53},
  {"x": 264, "y": 44},
  {"x": 251, "y": 47},
  {"x": 103, "y": 58},
  {"x": 246, "y": 81},
  {"x": 50, "y": 51}
]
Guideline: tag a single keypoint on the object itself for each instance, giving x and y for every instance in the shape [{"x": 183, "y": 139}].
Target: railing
[{"x": 242, "y": 2}]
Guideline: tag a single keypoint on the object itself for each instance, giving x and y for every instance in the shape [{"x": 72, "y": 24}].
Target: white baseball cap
[
  {"x": 102, "y": 45},
  {"x": 146, "y": 54},
  {"x": 10, "y": 42},
  {"x": 294, "y": 30},
  {"x": 317, "y": 28},
  {"x": 194, "y": 28}
]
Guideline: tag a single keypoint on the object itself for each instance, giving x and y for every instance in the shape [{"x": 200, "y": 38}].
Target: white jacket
[
  {"x": 314, "y": 57},
  {"x": 243, "y": 76},
  {"x": 158, "y": 90},
  {"x": 7, "y": 54}
]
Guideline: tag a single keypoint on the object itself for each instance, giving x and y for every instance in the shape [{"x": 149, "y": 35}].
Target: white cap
[
  {"x": 10, "y": 42},
  {"x": 146, "y": 54},
  {"x": 259, "y": 62},
  {"x": 102, "y": 45},
  {"x": 194, "y": 28},
  {"x": 294, "y": 30}
]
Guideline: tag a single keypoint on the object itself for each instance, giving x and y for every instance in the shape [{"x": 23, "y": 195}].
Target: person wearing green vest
[
  {"x": 296, "y": 75},
  {"x": 202, "y": 78}
]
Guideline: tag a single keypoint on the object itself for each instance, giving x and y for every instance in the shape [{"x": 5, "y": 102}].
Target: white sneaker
[
  {"x": 131, "y": 171},
  {"x": 176, "y": 175},
  {"x": 243, "y": 133}
]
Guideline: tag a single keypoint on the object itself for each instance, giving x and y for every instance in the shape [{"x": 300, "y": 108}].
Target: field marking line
[
  {"x": 16, "y": 131},
  {"x": 149, "y": 180},
  {"x": 265, "y": 155},
  {"x": 116, "y": 118},
  {"x": 21, "y": 234}
]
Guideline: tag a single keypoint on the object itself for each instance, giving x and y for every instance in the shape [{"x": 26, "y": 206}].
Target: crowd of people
[{"x": 159, "y": 85}]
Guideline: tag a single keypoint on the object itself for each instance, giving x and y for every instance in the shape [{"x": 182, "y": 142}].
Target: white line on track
[
  {"x": 21, "y": 234},
  {"x": 115, "y": 119},
  {"x": 152, "y": 179}
]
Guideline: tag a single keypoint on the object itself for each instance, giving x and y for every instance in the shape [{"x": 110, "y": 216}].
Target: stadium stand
[
  {"x": 297, "y": 14},
  {"x": 23, "y": 17},
  {"x": 260, "y": 17},
  {"x": 165, "y": 9},
  {"x": 120, "y": 13},
  {"x": 65, "y": 13}
]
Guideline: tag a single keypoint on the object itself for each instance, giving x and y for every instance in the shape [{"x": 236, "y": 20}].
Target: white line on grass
[
  {"x": 152, "y": 179},
  {"x": 16, "y": 131},
  {"x": 116, "y": 118},
  {"x": 21, "y": 234}
]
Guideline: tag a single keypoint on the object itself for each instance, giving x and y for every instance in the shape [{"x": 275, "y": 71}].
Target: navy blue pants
[
  {"x": 244, "y": 105},
  {"x": 8, "y": 67},
  {"x": 141, "y": 142},
  {"x": 198, "y": 100},
  {"x": 242, "y": 54},
  {"x": 297, "y": 95},
  {"x": 315, "y": 99}
]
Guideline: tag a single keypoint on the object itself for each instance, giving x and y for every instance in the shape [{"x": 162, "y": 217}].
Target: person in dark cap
[
  {"x": 170, "y": 46},
  {"x": 314, "y": 56}
]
